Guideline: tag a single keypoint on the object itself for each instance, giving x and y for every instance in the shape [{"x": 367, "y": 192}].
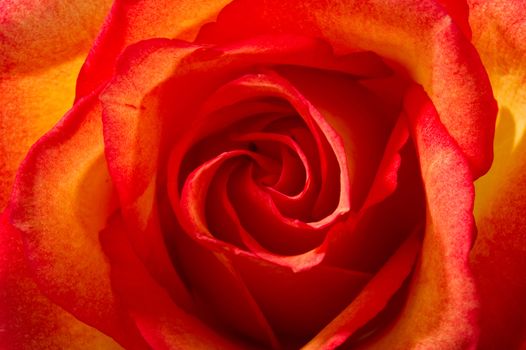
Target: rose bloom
[{"x": 275, "y": 174}]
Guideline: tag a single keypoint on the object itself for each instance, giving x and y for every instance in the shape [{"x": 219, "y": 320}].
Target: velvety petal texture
[
  {"x": 42, "y": 47},
  {"x": 499, "y": 255},
  {"x": 162, "y": 324},
  {"x": 130, "y": 22},
  {"x": 137, "y": 100},
  {"x": 442, "y": 280},
  {"x": 420, "y": 35},
  {"x": 62, "y": 247},
  {"x": 29, "y": 320},
  {"x": 237, "y": 174}
]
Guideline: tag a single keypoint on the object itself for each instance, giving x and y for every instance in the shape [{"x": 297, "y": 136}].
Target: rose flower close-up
[{"x": 271, "y": 174}]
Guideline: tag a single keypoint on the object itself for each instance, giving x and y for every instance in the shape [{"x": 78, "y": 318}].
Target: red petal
[
  {"x": 162, "y": 323},
  {"x": 419, "y": 35},
  {"x": 360, "y": 116},
  {"x": 441, "y": 307},
  {"x": 372, "y": 298},
  {"x": 131, "y": 22},
  {"x": 459, "y": 11},
  {"x": 386, "y": 178}
]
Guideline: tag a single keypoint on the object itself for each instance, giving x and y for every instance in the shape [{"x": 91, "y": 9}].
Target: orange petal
[
  {"x": 42, "y": 46},
  {"x": 36, "y": 35},
  {"x": 499, "y": 254},
  {"x": 28, "y": 319},
  {"x": 31, "y": 103},
  {"x": 61, "y": 200}
]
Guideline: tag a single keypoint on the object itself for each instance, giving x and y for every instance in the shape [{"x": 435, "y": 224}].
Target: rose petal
[
  {"x": 37, "y": 35},
  {"x": 59, "y": 214},
  {"x": 135, "y": 121},
  {"x": 202, "y": 264},
  {"x": 294, "y": 179},
  {"x": 374, "y": 234},
  {"x": 248, "y": 115},
  {"x": 144, "y": 66},
  {"x": 191, "y": 212},
  {"x": 130, "y": 128},
  {"x": 221, "y": 215},
  {"x": 31, "y": 104},
  {"x": 499, "y": 254},
  {"x": 42, "y": 46},
  {"x": 122, "y": 102},
  {"x": 371, "y": 299},
  {"x": 386, "y": 178},
  {"x": 333, "y": 161},
  {"x": 362, "y": 119},
  {"x": 278, "y": 230},
  {"x": 441, "y": 307},
  {"x": 293, "y": 303},
  {"x": 299, "y": 304},
  {"x": 28, "y": 320},
  {"x": 417, "y": 34},
  {"x": 216, "y": 285},
  {"x": 162, "y": 323},
  {"x": 260, "y": 216},
  {"x": 459, "y": 11},
  {"x": 130, "y": 22}
]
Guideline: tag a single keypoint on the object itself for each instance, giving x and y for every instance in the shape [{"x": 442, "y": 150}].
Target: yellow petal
[{"x": 499, "y": 255}]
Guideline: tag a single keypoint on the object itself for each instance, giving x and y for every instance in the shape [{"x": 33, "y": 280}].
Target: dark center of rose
[{"x": 261, "y": 221}]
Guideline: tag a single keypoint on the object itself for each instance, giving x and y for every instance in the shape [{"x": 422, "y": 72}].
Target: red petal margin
[
  {"x": 499, "y": 255},
  {"x": 132, "y": 134},
  {"x": 193, "y": 219},
  {"x": 132, "y": 128},
  {"x": 386, "y": 178},
  {"x": 61, "y": 200},
  {"x": 459, "y": 11},
  {"x": 132, "y": 21},
  {"x": 441, "y": 308},
  {"x": 29, "y": 320},
  {"x": 418, "y": 34}
]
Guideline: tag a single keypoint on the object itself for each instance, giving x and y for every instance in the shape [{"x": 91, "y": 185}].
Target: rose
[
  {"x": 119, "y": 286},
  {"x": 46, "y": 277}
]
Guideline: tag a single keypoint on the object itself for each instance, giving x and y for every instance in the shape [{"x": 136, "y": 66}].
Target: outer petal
[
  {"x": 419, "y": 35},
  {"x": 440, "y": 311},
  {"x": 499, "y": 254},
  {"x": 36, "y": 35},
  {"x": 133, "y": 21},
  {"x": 61, "y": 200},
  {"x": 28, "y": 319},
  {"x": 42, "y": 46}
]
